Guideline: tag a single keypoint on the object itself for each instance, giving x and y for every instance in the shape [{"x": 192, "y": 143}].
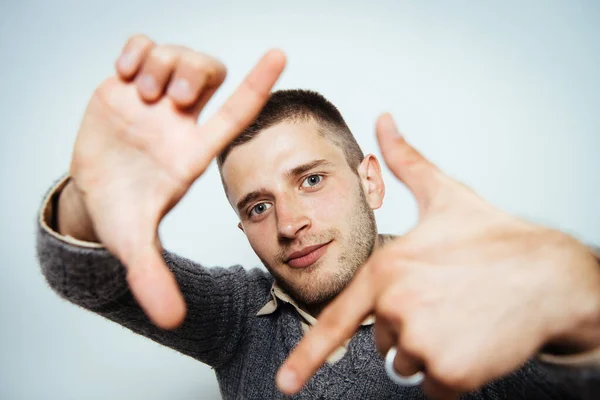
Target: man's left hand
[{"x": 467, "y": 296}]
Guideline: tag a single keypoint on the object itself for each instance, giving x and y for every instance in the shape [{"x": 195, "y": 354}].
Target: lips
[{"x": 307, "y": 256}]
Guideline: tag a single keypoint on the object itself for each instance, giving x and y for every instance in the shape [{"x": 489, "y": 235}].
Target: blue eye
[
  {"x": 312, "y": 180},
  {"x": 259, "y": 208}
]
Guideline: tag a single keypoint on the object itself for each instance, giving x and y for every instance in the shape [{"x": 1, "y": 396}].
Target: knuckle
[
  {"x": 163, "y": 55},
  {"x": 404, "y": 153},
  {"x": 196, "y": 63},
  {"x": 201, "y": 65},
  {"x": 139, "y": 40},
  {"x": 412, "y": 156},
  {"x": 452, "y": 374},
  {"x": 408, "y": 157}
]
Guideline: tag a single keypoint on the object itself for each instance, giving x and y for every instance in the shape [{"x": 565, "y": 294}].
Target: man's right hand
[{"x": 139, "y": 149}]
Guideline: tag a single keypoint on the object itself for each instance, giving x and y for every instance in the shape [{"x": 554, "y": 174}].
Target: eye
[
  {"x": 259, "y": 209},
  {"x": 312, "y": 180}
]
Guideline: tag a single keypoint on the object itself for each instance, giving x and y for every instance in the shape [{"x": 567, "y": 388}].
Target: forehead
[{"x": 273, "y": 152}]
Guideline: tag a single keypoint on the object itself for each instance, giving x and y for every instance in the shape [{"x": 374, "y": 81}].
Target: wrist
[{"x": 72, "y": 218}]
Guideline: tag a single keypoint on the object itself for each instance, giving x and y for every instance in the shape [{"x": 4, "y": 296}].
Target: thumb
[
  {"x": 407, "y": 164},
  {"x": 155, "y": 287}
]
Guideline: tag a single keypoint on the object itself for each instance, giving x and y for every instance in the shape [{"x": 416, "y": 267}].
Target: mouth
[{"x": 307, "y": 256}]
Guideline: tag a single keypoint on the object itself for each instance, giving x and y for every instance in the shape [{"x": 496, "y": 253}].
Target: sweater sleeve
[
  {"x": 87, "y": 275},
  {"x": 577, "y": 373}
]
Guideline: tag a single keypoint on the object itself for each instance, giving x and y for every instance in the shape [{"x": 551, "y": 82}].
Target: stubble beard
[{"x": 322, "y": 286}]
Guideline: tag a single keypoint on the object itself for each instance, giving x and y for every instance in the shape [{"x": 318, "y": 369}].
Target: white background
[{"x": 504, "y": 96}]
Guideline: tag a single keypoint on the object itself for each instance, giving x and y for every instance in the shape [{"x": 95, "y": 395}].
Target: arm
[
  {"x": 87, "y": 275},
  {"x": 138, "y": 151}
]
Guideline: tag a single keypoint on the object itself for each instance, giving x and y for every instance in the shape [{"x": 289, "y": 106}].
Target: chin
[
  {"x": 317, "y": 289},
  {"x": 316, "y": 284}
]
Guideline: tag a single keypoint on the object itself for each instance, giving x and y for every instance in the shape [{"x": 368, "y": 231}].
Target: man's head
[{"x": 304, "y": 193}]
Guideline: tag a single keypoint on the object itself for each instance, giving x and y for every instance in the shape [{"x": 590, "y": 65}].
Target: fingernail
[
  {"x": 147, "y": 84},
  {"x": 127, "y": 61},
  {"x": 287, "y": 380},
  {"x": 180, "y": 89}
]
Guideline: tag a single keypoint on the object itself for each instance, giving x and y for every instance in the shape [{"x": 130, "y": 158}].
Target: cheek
[
  {"x": 330, "y": 207},
  {"x": 261, "y": 237}
]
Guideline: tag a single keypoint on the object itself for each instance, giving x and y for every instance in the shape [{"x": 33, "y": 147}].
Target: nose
[{"x": 291, "y": 219}]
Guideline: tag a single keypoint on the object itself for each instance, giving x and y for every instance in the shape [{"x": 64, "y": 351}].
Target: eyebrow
[
  {"x": 299, "y": 170},
  {"x": 250, "y": 197}
]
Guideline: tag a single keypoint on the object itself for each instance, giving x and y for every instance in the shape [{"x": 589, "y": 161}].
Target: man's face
[{"x": 302, "y": 208}]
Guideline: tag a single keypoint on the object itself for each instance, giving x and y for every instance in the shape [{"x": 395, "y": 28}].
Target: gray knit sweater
[{"x": 245, "y": 350}]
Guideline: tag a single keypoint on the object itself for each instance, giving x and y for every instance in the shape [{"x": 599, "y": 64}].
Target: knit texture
[{"x": 222, "y": 330}]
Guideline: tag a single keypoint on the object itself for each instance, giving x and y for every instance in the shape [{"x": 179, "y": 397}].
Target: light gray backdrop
[{"x": 502, "y": 95}]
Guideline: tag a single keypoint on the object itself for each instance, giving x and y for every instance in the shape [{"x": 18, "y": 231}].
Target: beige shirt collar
[{"x": 278, "y": 294}]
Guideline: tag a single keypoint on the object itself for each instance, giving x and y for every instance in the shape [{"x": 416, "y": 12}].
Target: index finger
[
  {"x": 336, "y": 323},
  {"x": 244, "y": 104}
]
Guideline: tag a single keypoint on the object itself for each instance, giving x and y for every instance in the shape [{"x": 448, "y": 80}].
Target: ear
[
  {"x": 241, "y": 227},
  {"x": 369, "y": 173}
]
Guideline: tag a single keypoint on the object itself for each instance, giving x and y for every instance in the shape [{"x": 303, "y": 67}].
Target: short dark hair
[{"x": 297, "y": 105}]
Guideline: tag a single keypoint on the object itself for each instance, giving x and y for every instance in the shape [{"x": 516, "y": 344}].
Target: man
[{"x": 469, "y": 297}]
